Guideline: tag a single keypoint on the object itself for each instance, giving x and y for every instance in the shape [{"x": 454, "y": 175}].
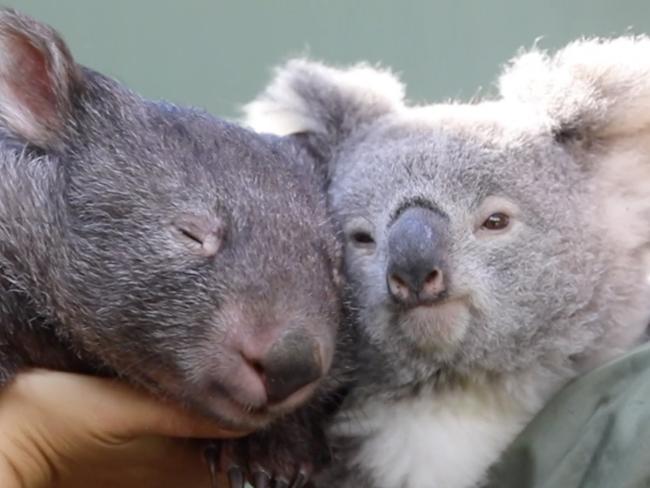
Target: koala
[
  {"x": 495, "y": 249},
  {"x": 184, "y": 254}
]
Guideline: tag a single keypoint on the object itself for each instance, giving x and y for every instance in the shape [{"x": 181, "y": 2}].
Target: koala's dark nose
[
  {"x": 416, "y": 257},
  {"x": 292, "y": 362}
]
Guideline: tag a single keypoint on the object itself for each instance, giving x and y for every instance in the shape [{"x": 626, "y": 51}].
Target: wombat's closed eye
[{"x": 202, "y": 234}]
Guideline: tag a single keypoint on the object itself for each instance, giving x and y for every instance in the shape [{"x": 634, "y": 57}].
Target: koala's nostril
[
  {"x": 293, "y": 362},
  {"x": 432, "y": 277},
  {"x": 398, "y": 289},
  {"x": 433, "y": 286}
]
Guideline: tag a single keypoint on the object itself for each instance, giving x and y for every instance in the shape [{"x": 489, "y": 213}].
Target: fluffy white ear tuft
[
  {"x": 307, "y": 96},
  {"x": 593, "y": 87},
  {"x": 37, "y": 74}
]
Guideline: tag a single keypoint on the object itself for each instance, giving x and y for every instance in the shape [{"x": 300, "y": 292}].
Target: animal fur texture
[
  {"x": 184, "y": 254},
  {"x": 561, "y": 156}
]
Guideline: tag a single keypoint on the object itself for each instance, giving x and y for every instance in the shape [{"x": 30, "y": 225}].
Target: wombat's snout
[
  {"x": 416, "y": 257},
  {"x": 292, "y": 362},
  {"x": 271, "y": 371}
]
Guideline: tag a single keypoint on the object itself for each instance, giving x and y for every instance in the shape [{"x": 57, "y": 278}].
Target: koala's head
[
  {"x": 196, "y": 257},
  {"x": 494, "y": 236}
]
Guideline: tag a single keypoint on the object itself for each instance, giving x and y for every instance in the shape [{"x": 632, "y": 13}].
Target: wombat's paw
[
  {"x": 296, "y": 476},
  {"x": 265, "y": 461},
  {"x": 227, "y": 467}
]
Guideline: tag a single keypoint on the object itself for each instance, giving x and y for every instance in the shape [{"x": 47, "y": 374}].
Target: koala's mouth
[
  {"x": 421, "y": 306},
  {"x": 440, "y": 325}
]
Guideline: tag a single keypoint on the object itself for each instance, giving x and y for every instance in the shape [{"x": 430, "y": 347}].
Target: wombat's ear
[
  {"x": 591, "y": 89},
  {"x": 324, "y": 104},
  {"x": 37, "y": 76}
]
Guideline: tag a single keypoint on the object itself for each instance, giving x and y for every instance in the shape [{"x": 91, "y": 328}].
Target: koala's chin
[{"x": 437, "y": 328}]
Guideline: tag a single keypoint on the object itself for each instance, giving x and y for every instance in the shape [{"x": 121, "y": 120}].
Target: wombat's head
[
  {"x": 495, "y": 236},
  {"x": 197, "y": 258}
]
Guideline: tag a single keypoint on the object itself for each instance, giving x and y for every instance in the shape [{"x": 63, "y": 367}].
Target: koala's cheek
[
  {"x": 368, "y": 278},
  {"x": 440, "y": 327}
]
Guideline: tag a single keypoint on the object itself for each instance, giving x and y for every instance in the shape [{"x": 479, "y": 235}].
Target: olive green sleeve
[{"x": 594, "y": 434}]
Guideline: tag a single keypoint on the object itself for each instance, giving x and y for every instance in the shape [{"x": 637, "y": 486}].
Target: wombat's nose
[
  {"x": 292, "y": 362},
  {"x": 416, "y": 257}
]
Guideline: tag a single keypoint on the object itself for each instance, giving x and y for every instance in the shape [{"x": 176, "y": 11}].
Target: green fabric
[{"x": 594, "y": 434}]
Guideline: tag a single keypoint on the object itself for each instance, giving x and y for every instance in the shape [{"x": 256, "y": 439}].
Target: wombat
[
  {"x": 184, "y": 254},
  {"x": 496, "y": 249}
]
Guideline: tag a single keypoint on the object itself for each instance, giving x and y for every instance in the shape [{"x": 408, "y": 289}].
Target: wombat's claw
[
  {"x": 214, "y": 477},
  {"x": 211, "y": 454},
  {"x": 261, "y": 479},
  {"x": 300, "y": 480},
  {"x": 235, "y": 477}
]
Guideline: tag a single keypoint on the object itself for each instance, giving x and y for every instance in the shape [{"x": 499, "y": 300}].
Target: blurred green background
[{"x": 218, "y": 54}]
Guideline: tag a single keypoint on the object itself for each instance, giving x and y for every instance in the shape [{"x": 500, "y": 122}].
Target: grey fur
[{"x": 564, "y": 151}]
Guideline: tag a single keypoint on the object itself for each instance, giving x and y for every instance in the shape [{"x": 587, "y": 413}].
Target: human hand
[{"x": 61, "y": 429}]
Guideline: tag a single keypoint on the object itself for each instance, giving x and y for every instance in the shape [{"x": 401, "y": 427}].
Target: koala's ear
[
  {"x": 37, "y": 77},
  {"x": 323, "y": 104},
  {"x": 591, "y": 89}
]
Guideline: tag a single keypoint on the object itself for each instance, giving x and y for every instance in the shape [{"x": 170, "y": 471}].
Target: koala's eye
[
  {"x": 358, "y": 234},
  {"x": 496, "y": 221},
  {"x": 362, "y": 238}
]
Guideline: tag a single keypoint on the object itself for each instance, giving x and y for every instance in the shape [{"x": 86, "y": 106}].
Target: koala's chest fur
[{"x": 435, "y": 440}]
